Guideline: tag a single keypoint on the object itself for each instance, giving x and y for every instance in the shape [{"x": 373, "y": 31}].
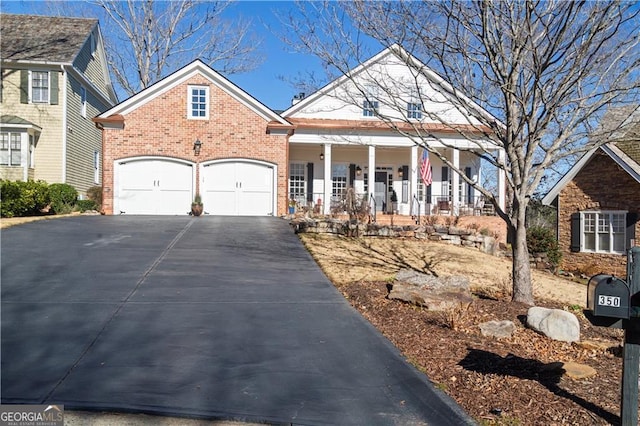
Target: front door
[{"x": 380, "y": 191}]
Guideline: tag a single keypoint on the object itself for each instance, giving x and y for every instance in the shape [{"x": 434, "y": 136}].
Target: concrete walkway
[{"x": 213, "y": 317}]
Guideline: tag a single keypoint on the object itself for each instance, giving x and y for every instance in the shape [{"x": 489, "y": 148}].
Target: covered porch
[{"x": 386, "y": 178}]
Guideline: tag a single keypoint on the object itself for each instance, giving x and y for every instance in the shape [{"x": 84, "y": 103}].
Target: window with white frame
[
  {"x": 603, "y": 231},
  {"x": 10, "y": 149},
  {"x": 370, "y": 104},
  {"x": 414, "y": 110},
  {"x": 296, "y": 181},
  {"x": 83, "y": 102},
  {"x": 40, "y": 86},
  {"x": 198, "y": 103},
  {"x": 339, "y": 178}
]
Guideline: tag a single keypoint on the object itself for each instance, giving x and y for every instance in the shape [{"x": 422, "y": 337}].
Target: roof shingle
[{"x": 42, "y": 38}]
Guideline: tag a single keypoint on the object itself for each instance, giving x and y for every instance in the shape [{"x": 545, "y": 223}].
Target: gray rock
[
  {"x": 434, "y": 293},
  {"x": 554, "y": 323},
  {"x": 434, "y": 300},
  {"x": 498, "y": 329}
]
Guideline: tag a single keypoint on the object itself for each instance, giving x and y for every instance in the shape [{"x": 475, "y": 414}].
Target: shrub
[
  {"x": 63, "y": 197},
  {"x": 23, "y": 198},
  {"x": 543, "y": 240},
  {"x": 85, "y": 205},
  {"x": 95, "y": 194}
]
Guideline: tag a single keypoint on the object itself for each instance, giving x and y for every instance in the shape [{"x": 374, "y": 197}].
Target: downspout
[{"x": 64, "y": 124}]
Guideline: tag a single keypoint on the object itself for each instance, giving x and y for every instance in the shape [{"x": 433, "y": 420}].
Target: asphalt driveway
[{"x": 210, "y": 317}]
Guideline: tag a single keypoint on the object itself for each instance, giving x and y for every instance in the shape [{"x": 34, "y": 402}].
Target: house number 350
[{"x": 609, "y": 301}]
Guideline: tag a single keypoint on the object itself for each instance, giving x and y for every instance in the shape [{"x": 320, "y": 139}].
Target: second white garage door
[{"x": 237, "y": 188}]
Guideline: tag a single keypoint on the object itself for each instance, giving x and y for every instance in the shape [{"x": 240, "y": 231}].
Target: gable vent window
[{"x": 198, "y": 103}]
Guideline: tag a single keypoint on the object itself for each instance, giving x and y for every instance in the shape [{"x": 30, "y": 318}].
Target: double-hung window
[
  {"x": 10, "y": 149},
  {"x": 40, "y": 86},
  {"x": 339, "y": 180},
  {"x": 414, "y": 110},
  {"x": 370, "y": 104},
  {"x": 198, "y": 102},
  {"x": 296, "y": 182},
  {"x": 603, "y": 231}
]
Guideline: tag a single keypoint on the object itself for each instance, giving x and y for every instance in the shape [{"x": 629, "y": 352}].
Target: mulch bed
[{"x": 500, "y": 381}]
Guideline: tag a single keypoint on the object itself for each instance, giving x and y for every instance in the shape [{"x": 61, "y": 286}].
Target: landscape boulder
[
  {"x": 431, "y": 292},
  {"x": 554, "y": 323},
  {"x": 497, "y": 329}
]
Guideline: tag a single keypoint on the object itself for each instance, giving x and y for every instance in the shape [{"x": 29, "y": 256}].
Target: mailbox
[{"x": 608, "y": 296}]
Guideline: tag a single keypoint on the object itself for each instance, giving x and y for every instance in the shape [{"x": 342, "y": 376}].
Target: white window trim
[
  {"x": 48, "y": 101},
  {"x": 207, "y": 104},
  {"x": 582, "y": 231}
]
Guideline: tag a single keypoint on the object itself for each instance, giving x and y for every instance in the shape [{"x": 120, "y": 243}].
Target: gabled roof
[
  {"x": 619, "y": 156},
  {"x": 196, "y": 67},
  {"x": 438, "y": 82},
  {"x": 624, "y": 149},
  {"x": 46, "y": 39}
]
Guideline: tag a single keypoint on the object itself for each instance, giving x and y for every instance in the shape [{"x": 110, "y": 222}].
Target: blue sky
[{"x": 279, "y": 59}]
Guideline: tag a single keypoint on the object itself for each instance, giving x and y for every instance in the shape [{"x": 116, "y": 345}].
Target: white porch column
[
  {"x": 455, "y": 183},
  {"x": 24, "y": 155},
  {"x": 502, "y": 187},
  {"x": 413, "y": 185},
  {"x": 372, "y": 172},
  {"x": 328, "y": 179}
]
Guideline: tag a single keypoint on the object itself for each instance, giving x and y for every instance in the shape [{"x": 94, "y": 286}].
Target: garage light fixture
[
  {"x": 358, "y": 170},
  {"x": 196, "y": 147}
]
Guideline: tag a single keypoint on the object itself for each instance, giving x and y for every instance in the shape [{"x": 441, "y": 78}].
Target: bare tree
[
  {"x": 533, "y": 78},
  {"x": 148, "y": 39}
]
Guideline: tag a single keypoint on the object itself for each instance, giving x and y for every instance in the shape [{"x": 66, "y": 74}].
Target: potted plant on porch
[{"x": 196, "y": 205}]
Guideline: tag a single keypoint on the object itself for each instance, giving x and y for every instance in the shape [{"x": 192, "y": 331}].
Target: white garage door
[
  {"x": 237, "y": 189},
  {"x": 161, "y": 187}
]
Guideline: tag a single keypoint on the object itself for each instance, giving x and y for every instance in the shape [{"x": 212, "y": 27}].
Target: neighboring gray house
[{"x": 54, "y": 81}]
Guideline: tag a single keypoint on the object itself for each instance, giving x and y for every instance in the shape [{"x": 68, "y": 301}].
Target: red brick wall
[
  {"x": 600, "y": 185},
  {"x": 160, "y": 128}
]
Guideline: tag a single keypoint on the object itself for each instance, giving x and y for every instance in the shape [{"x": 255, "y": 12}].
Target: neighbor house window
[
  {"x": 296, "y": 181},
  {"x": 198, "y": 107},
  {"x": 10, "y": 149},
  {"x": 603, "y": 232},
  {"x": 83, "y": 102},
  {"x": 40, "y": 86},
  {"x": 414, "y": 110}
]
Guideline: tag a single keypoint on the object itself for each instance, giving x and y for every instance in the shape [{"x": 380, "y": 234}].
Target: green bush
[
  {"x": 23, "y": 198},
  {"x": 63, "y": 197},
  {"x": 95, "y": 194},
  {"x": 86, "y": 205},
  {"x": 543, "y": 240}
]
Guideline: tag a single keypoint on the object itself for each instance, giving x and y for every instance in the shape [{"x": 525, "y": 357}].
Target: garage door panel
[
  {"x": 221, "y": 203},
  {"x": 238, "y": 188},
  {"x": 155, "y": 187}
]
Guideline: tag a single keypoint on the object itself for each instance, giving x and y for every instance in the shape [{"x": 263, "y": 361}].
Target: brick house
[
  {"x": 194, "y": 132},
  {"x": 54, "y": 80},
  {"x": 598, "y": 206},
  {"x": 252, "y": 161}
]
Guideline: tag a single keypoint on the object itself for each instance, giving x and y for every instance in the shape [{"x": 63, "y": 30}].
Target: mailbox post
[
  {"x": 631, "y": 351},
  {"x": 612, "y": 302}
]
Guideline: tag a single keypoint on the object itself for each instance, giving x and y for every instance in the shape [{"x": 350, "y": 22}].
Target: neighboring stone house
[
  {"x": 54, "y": 81},
  {"x": 194, "y": 132},
  {"x": 598, "y": 204}
]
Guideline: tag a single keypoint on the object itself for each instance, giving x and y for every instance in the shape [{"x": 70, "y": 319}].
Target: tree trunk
[{"x": 521, "y": 270}]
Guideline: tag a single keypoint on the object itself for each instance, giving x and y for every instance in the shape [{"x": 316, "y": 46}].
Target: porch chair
[{"x": 444, "y": 205}]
